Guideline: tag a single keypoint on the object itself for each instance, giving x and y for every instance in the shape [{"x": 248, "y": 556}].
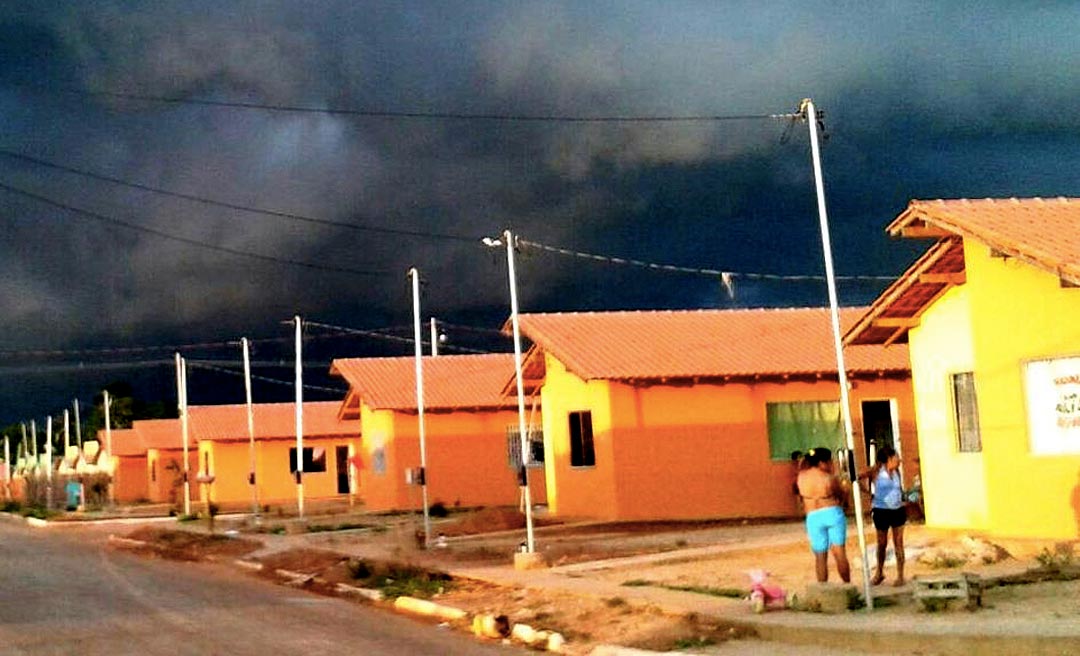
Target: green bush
[
  {"x": 438, "y": 509},
  {"x": 11, "y": 506}
]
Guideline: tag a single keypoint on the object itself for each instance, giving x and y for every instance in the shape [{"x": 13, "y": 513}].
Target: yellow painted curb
[{"x": 429, "y": 608}]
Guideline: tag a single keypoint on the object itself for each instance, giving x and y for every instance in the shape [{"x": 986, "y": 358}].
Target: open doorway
[
  {"x": 879, "y": 426},
  {"x": 341, "y": 454}
]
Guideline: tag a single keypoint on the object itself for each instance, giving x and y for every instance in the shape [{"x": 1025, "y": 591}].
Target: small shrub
[
  {"x": 693, "y": 643},
  {"x": 637, "y": 583},
  {"x": 614, "y": 602},
  {"x": 946, "y": 561},
  {"x": 438, "y": 509},
  {"x": 11, "y": 506},
  {"x": 186, "y": 518},
  {"x": 1061, "y": 557},
  {"x": 681, "y": 543}
]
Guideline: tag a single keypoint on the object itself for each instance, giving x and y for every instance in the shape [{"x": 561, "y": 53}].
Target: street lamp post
[
  {"x": 809, "y": 113},
  {"x": 508, "y": 240},
  {"x": 418, "y": 349}
]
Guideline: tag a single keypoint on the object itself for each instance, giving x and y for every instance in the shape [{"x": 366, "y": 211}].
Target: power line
[
  {"x": 185, "y": 240},
  {"x": 407, "y": 114},
  {"x": 202, "y": 364},
  {"x": 608, "y": 259},
  {"x": 384, "y": 336},
  {"x": 235, "y": 206}
]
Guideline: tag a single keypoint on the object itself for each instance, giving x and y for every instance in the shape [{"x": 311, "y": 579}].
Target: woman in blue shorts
[
  {"x": 888, "y": 511},
  {"x": 826, "y": 525}
]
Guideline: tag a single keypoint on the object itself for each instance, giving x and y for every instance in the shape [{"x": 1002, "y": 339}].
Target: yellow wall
[
  {"x": 230, "y": 463},
  {"x": 954, "y": 482},
  {"x": 1021, "y": 313},
  {"x": 686, "y": 451},
  {"x": 466, "y": 459}
]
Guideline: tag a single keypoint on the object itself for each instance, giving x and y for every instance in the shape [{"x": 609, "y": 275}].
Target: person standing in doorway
[
  {"x": 822, "y": 496},
  {"x": 887, "y": 510}
]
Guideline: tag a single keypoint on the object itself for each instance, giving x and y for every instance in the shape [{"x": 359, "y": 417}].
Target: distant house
[
  {"x": 224, "y": 451},
  {"x": 130, "y": 472},
  {"x": 165, "y": 459},
  {"x": 471, "y": 430},
  {"x": 991, "y": 312},
  {"x": 695, "y": 414}
]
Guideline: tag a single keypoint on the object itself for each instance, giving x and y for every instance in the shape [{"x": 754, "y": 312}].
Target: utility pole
[
  {"x": 33, "y": 436},
  {"x": 418, "y": 349},
  {"x": 509, "y": 241},
  {"x": 251, "y": 429},
  {"x": 181, "y": 397},
  {"x": 67, "y": 432},
  {"x": 7, "y": 468},
  {"x": 434, "y": 338},
  {"x": 809, "y": 113},
  {"x": 299, "y": 421},
  {"x": 108, "y": 447},
  {"x": 78, "y": 425},
  {"x": 48, "y": 463}
]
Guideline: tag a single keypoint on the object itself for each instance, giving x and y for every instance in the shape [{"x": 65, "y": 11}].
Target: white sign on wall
[{"x": 1053, "y": 405}]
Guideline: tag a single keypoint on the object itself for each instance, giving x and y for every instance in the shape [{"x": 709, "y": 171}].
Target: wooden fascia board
[
  {"x": 952, "y": 278},
  {"x": 895, "y": 322}
]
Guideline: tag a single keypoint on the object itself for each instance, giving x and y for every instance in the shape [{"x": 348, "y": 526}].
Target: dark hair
[
  {"x": 884, "y": 453},
  {"x": 796, "y": 456},
  {"x": 817, "y": 455}
]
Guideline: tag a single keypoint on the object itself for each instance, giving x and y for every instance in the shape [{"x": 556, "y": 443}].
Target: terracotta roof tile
[
  {"x": 1043, "y": 231},
  {"x": 450, "y": 381},
  {"x": 125, "y": 442},
  {"x": 271, "y": 421},
  {"x": 160, "y": 433},
  {"x": 702, "y": 343}
]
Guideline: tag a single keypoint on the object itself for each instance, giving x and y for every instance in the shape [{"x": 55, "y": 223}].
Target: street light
[
  {"x": 807, "y": 111},
  {"x": 493, "y": 242},
  {"x": 414, "y": 277}
]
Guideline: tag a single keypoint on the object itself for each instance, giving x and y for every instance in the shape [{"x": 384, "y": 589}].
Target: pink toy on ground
[{"x": 762, "y": 594}]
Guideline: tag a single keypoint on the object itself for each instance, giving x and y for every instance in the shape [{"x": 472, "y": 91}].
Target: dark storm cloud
[{"x": 922, "y": 101}]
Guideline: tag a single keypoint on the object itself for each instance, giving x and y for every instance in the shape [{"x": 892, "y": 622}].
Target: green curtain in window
[{"x": 802, "y": 426}]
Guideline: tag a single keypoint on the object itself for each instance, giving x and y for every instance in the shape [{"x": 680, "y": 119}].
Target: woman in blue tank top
[{"x": 888, "y": 510}]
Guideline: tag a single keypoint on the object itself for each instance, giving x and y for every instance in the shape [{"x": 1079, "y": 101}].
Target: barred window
[{"x": 535, "y": 447}]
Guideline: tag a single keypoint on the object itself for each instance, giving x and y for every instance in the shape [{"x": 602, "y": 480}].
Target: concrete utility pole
[
  {"x": 809, "y": 113},
  {"x": 434, "y": 338},
  {"x": 48, "y": 463},
  {"x": 299, "y": 422},
  {"x": 78, "y": 425},
  {"x": 418, "y": 349},
  {"x": 33, "y": 437},
  {"x": 67, "y": 432},
  {"x": 7, "y": 468},
  {"x": 509, "y": 242},
  {"x": 181, "y": 395},
  {"x": 108, "y": 446},
  {"x": 251, "y": 429}
]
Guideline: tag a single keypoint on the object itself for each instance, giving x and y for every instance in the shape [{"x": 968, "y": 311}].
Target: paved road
[{"x": 60, "y": 595}]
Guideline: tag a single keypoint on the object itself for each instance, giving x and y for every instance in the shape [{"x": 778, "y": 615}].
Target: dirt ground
[{"x": 185, "y": 545}]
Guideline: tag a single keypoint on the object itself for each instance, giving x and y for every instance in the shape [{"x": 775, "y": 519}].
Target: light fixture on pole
[
  {"x": 251, "y": 429},
  {"x": 508, "y": 240},
  {"x": 807, "y": 112},
  {"x": 299, "y": 372},
  {"x": 418, "y": 348}
]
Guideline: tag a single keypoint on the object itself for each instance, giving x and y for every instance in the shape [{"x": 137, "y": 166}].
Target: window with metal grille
[
  {"x": 581, "y": 440},
  {"x": 966, "y": 411},
  {"x": 314, "y": 460},
  {"x": 535, "y": 447}
]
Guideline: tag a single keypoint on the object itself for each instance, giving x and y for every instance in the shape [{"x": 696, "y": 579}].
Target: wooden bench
[{"x": 943, "y": 587}]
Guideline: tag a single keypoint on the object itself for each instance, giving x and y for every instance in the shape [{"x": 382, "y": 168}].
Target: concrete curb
[
  {"x": 37, "y": 523},
  {"x": 367, "y": 593},
  {"x": 429, "y": 608},
  {"x": 127, "y": 542},
  {"x": 248, "y": 564},
  {"x": 615, "y": 650}
]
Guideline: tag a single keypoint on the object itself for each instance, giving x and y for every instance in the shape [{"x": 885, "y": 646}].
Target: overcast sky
[{"x": 978, "y": 99}]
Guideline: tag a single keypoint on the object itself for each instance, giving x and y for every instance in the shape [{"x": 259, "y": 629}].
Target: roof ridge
[{"x": 693, "y": 310}]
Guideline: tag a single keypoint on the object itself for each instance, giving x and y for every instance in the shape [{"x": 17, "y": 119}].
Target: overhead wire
[
  {"x": 185, "y": 240},
  {"x": 415, "y": 114},
  {"x": 203, "y": 364},
  {"x": 235, "y": 206},
  {"x": 391, "y": 338}
]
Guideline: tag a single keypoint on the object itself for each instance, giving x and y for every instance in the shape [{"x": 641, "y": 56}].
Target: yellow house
[
  {"x": 695, "y": 414},
  {"x": 991, "y": 314},
  {"x": 224, "y": 452},
  {"x": 471, "y": 443}
]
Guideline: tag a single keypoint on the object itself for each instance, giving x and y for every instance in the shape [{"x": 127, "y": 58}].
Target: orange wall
[
  {"x": 230, "y": 462},
  {"x": 466, "y": 459},
  {"x": 129, "y": 480},
  {"x": 681, "y": 452},
  {"x": 164, "y": 471}
]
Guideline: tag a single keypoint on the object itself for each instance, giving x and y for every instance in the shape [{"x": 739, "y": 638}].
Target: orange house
[
  {"x": 695, "y": 414},
  {"x": 471, "y": 431},
  {"x": 165, "y": 458},
  {"x": 225, "y": 452},
  {"x": 130, "y": 475}
]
